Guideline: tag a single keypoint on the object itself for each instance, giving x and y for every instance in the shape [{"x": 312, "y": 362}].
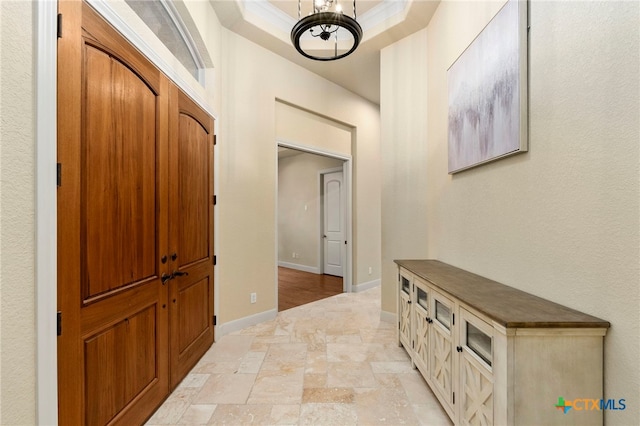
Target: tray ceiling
[{"x": 269, "y": 22}]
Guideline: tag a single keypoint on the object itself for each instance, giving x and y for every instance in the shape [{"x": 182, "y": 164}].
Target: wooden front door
[
  {"x": 135, "y": 227},
  {"x": 191, "y": 233}
]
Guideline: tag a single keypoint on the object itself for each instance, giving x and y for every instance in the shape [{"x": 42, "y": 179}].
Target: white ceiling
[{"x": 269, "y": 23}]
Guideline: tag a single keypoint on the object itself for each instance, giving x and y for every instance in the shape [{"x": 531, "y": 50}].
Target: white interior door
[{"x": 333, "y": 223}]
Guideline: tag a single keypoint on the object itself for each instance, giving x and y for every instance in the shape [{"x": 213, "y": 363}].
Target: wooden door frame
[
  {"x": 347, "y": 171},
  {"x": 321, "y": 215}
]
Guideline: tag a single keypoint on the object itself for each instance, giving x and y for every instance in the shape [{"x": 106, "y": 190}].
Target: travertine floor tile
[
  {"x": 197, "y": 415},
  {"x": 328, "y": 395},
  {"x": 251, "y": 362},
  {"x": 431, "y": 414},
  {"x": 315, "y": 380},
  {"x": 225, "y": 389},
  {"x": 384, "y": 406},
  {"x": 277, "y": 387},
  {"x": 316, "y": 362},
  {"x": 207, "y": 366},
  {"x": 241, "y": 414},
  {"x": 332, "y": 362},
  {"x": 328, "y": 414},
  {"x": 285, "y": 414},
  {"x": 174, "y": 407},
  {"x": 194, "y": 380},
  {"x": 416, "y": 388},
  {"x": 231, "y": 348},
  {"x": 391, "y": 367},
  {"x": 350, "y": 375}
]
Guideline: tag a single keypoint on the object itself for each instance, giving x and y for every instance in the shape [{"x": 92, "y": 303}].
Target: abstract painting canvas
[{"x": 488, "y": 92}]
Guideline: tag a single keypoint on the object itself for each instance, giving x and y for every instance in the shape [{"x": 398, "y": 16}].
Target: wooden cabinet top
[{"x": 506, "y": 305}]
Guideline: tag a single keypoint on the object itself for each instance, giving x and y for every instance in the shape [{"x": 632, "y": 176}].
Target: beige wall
[
  {"x": 300, "y": 127},
  {"x": 561, "y": 221},
  {"x": 252, "y": 80},
  {"x": 299, "y": 208},
  {"x": 17, "y": 215},
  {"x": 403, "y": 112}
]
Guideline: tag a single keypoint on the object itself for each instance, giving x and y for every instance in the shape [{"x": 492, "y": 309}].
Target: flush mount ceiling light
[{"x": 326, "y": 34}]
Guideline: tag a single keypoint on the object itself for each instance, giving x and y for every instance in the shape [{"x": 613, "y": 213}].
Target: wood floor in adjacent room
[{"x": 297, "y": 288}]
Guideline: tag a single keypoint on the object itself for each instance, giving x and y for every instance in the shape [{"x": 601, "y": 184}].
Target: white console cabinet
[{"x": 493, "y": 354}]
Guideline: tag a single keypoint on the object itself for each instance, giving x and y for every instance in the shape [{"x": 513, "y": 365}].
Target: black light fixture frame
[{"x": 326, "y": 18}]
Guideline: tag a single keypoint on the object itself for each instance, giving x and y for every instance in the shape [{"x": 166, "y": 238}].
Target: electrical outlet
[
  {"x": 254, "y": 297},
  {"x": 370, "y": 270},
  {"x": 293, "y": 255}
]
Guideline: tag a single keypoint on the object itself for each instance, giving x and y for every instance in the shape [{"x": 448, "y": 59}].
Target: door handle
[
  {"x": 168, "y": 277},
  {"x": 324, "y": 236}
]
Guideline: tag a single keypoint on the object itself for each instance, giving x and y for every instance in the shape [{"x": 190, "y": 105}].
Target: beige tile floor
[{"x": 331, "y": 362}]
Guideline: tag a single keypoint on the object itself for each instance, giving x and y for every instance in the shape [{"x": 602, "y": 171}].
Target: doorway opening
[{"x": 313, "y": 222}]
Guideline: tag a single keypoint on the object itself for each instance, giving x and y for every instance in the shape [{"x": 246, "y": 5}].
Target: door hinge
[
  {"x": 215, "y": 260},
  {"x": 59, "y": 25},
  {"x": 454, "y": 319},
  {"x": 59, "y": 174},
  {"x": 59, "y": 323},
  {"x": 215, "y": 199},
  {"x": 215, "y": 320},
  {"x": 454, "y": 398},
  {"x": 215, "y": 139}
]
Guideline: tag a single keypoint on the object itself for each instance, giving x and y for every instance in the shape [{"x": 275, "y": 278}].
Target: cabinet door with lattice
[
  {"x": 404, "y": 310},
  {"x": 441, "y": 358},
  {"x": 422, "y": 321},
  {"x": 476, "y": 375}
]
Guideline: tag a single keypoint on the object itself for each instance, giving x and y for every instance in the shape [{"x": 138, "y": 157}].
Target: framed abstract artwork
[{"x": 487, "y": 87}]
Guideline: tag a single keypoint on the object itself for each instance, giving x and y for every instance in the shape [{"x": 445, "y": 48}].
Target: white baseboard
[
  {"x": 304, "y": 268},
  {"x": 388, "y": 317},
  {"x": 239, "y": 324},
  {"x": 365, "y": 286}
]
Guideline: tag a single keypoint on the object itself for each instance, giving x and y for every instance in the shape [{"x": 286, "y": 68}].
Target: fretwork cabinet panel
[
  {"x": 422, "y": 323},
  {"x": 442, "y": 350},
  {"x": 404, "y": 310}
]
